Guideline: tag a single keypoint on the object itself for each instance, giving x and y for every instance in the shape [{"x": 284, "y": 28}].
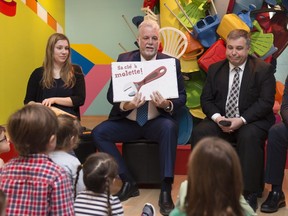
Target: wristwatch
[{"x": 168, "y": 108}]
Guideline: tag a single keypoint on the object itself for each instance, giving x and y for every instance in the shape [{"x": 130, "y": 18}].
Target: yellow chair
[{"x": 174, "y": 41}]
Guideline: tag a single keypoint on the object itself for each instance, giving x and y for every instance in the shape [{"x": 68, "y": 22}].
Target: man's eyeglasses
[{"x": 4, "y": 139}]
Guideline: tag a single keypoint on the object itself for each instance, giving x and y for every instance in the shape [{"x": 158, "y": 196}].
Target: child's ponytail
[
  {"x": 107, "y": 189},
  {"x": 79, "y": 168}
]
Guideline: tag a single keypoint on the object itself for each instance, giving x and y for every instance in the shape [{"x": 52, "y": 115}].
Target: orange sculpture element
[
  {"x": 279, "y": 91},
  {"x": 42, "y": 13},
  {"x": 8, "y": 8}
]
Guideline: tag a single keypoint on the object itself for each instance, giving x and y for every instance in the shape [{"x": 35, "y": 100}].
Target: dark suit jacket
[
  {"x": 284, "y": 105},
  {"x": 257, "y": 91},
  {"x": 116, "y": 113}
]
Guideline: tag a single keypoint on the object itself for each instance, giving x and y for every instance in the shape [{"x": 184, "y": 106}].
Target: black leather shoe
[
  {"x": 127, "y": 190},
  {"x": 165, "y": 203},
  {"x": 251, "y": 199},
  {"x": 274, "y": 201}
]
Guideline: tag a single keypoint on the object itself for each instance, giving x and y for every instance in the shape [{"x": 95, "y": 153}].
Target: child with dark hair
[
  {"x": 67, "y": 140},
  {"x": 4, "y": 143},
  {"x": 99, "y": 171},
  {"x": 33, "y": 183}
]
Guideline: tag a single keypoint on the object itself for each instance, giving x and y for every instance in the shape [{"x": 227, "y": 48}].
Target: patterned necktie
[
  {"x": 231, "y": 105},
  {"x": 142, "y": 114}
]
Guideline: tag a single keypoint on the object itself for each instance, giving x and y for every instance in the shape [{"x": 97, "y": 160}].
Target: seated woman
[
  {"x": 215, "y": 184},
  {"x": 58, "y": 83}
]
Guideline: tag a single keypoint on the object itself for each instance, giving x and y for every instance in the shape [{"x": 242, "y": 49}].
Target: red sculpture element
[
  {"x": 8, "y": 8},
  {"x": 150, "y": 3}
]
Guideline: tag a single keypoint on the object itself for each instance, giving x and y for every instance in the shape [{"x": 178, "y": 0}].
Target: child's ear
[
  {"x": 52, "y": 143},
  {"x": 74, "y": 141}
]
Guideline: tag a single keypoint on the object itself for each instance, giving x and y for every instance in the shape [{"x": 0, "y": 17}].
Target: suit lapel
[
  {"x": 136, "y": 56},
  {"x": 225, "y": 78},
  {"x": 245, "y": 83}
]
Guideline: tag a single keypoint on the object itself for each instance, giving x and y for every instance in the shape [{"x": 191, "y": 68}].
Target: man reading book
[{"x": 151, "y": 120}]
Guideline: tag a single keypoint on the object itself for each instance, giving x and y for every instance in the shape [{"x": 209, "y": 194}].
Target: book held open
[{"x": 128, "y": 78}]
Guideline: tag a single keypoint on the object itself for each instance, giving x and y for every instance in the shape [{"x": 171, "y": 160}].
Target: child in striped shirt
[{"x": 99, "y": 171}]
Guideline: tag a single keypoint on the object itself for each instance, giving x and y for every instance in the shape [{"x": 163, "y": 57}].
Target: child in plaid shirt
[{"x": 33, "y": 183}]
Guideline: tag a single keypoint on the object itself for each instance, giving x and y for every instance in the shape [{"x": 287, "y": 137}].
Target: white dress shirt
[{"x": 231, "y": 77}]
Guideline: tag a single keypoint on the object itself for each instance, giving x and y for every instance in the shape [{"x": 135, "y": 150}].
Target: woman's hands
[{"x": 64, "y": 101}]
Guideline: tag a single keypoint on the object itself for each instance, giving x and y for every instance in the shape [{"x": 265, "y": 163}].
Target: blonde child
[
  {"x": 33, "y": 183},
  {"x": 67, "y": 139},
  {"x": 99, "y": 171}
]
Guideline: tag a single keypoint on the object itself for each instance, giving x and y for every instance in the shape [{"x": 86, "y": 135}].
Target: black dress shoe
[
  {"x": 165, "y": 203},
  {"x": 251, "y": 199},
  {"x": 274, "y": 201},
  {"x": 128, "y": 189}
]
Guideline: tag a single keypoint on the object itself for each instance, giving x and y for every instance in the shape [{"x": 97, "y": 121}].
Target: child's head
[
  {"x": 32, "y": 129},
  {"x": 99, "y": 170},
  {"x": 4, "y": 143},
  {"x": 2, "y": 130},
  {"x": 68, "y": 132},
  {"x": 213, "y": 168}
]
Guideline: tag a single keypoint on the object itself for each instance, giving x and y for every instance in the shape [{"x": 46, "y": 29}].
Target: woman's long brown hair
[
  {"x": 66, "y": 73},
  {"x": 214, "y": 179}
]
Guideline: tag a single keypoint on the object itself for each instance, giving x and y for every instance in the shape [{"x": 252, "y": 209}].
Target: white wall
[
  {"x": 282, "y": 66},
  {"x": 100, "y": 23}
]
